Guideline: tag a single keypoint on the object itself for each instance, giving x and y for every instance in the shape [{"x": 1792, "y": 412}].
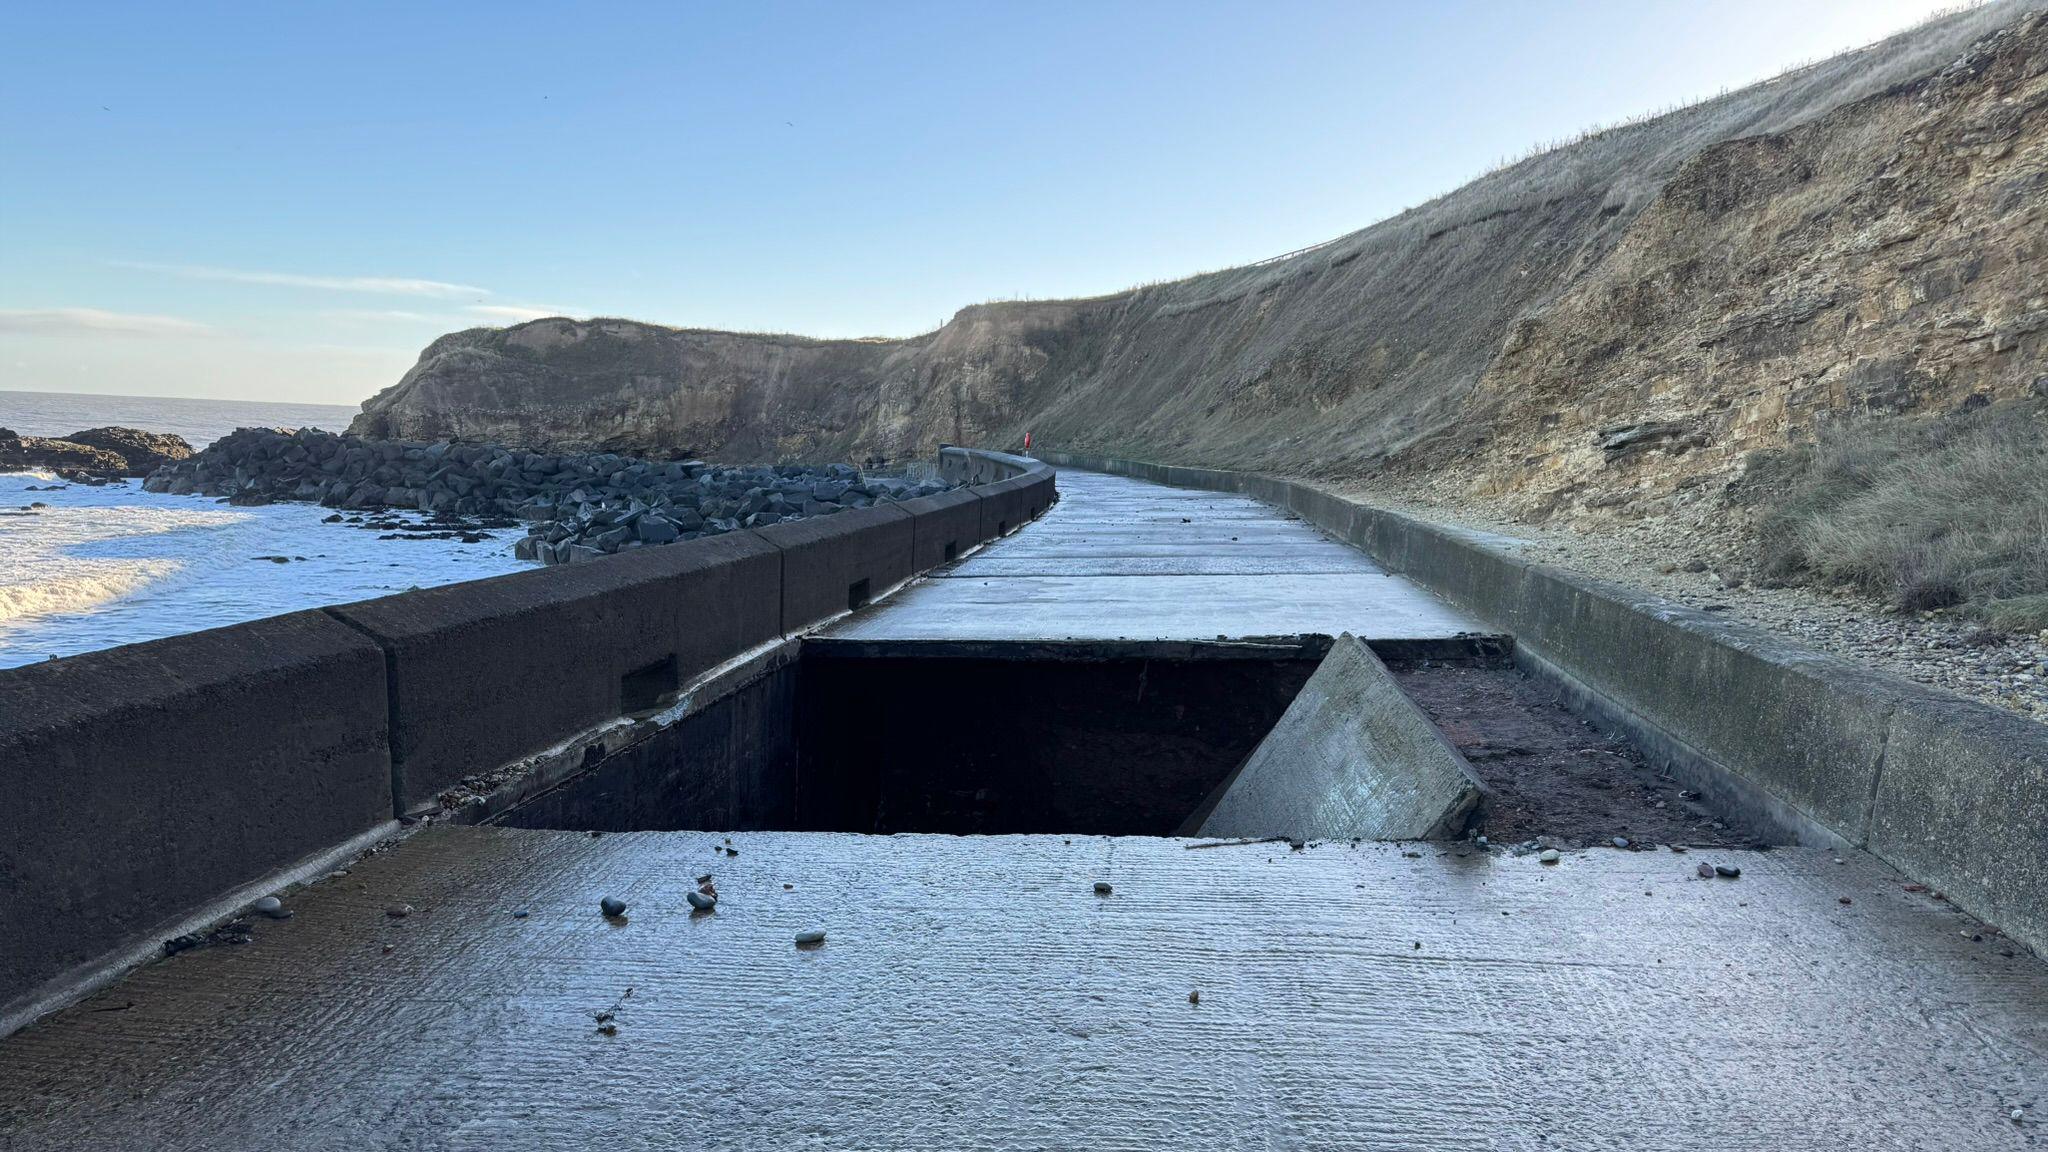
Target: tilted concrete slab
[
  {"x": 1352, "y": 757},
  {"x": 1122, "y": 559},
  {"x": 975, "y": 993}
]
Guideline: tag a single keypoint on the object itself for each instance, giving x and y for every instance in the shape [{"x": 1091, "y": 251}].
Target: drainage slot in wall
[
  {"x": 857, "y": 594},
  {"x": 952, "y": 550},
  {"x": 645, "y": 689}
]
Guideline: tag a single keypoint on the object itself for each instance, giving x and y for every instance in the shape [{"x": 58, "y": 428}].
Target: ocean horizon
[{"x": 199, "y": 421}]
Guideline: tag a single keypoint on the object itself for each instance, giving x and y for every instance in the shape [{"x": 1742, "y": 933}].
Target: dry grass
[{"x": 1940, "y": 512}]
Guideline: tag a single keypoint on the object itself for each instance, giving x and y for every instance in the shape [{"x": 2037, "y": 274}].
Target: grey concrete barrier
[
  {"x": 1351, "y": 758},
  {"x": 1005, "y": 506},
  {"x": 1951, "y": 792},
  {"x": 145, "y": 781},
  {"x": 834, "y": 563},
  {"x": 943, "y": 527},
  {"x": 488, "y": 671},
  {"x": 983, "y": 466},
  {"x": 1962, "y": 805}
]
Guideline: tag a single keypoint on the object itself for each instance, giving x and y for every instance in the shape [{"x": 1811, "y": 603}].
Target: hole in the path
[
  {"x": 1089, "y": 738},
  {"x": 1119, "y": 739}
]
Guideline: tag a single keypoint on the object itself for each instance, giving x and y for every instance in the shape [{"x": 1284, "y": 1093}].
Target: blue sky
[{"x": 287, "y": 202}]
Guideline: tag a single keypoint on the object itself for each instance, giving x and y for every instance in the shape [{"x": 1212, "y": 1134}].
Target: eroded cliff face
[
  {"x": 1600, "y": 327},
  {"x": 1885, "y": 258}
]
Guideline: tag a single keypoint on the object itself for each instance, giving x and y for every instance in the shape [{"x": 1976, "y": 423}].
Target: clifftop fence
[
  {"x": 148, "y": 783},
  {"x": 1951, "y": 792}
]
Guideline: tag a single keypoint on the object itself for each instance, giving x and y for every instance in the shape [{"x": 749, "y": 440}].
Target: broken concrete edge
[
  {"x": 1951, "y": 792},
  {"x": 483, "y": 799},
  {"x": 281, "y": 731},
  {"x": 1352, "y": 758}
]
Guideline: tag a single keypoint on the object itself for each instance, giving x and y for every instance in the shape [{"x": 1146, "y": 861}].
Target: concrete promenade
[
  {"x": 976, "y": 992},
  {"x": 1122, "y": 559}
]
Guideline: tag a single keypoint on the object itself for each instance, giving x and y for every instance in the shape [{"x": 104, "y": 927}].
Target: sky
[{"x": 287, "y": 202}]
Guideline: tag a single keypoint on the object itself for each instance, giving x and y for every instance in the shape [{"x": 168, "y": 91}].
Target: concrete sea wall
[
  {"x": 1949, "y": 791},
  {"x": 147, "y": 783}
]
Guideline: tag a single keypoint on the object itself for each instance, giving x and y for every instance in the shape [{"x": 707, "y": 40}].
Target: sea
[{"x": 85, "y": 567}]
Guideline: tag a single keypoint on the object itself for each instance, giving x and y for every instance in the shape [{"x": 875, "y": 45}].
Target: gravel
[{"x": 1702, "y": 563}]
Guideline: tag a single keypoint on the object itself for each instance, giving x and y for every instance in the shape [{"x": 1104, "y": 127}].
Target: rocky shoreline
[
  {"x": 574, "y": 506},
  {"x": 93, "y": 456}
]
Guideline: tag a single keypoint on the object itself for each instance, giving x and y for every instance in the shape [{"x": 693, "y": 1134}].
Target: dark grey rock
[{"x": 612, "y": 906}]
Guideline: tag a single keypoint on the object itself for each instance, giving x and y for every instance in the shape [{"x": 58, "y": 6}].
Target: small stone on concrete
[
  {"x": 1844, "y": 900},
  {"x": 1102, "y": 888},
  {"x": 812, "y": 936},
  {"x": 272, "y": 907},
  {"x": 1728, "y": 870},
  {"x": 398, "y": 911},
  {"x": 1549, "y": 856},
  {"x": 1621, "y": 841},
  {"x": 1706, "y": 871},
  {"x": 612, "y": 906},
  {"x": 700, "y": 901},
  {"x": 1195, "y": 997},
  {"x": 519, "y": 914}
]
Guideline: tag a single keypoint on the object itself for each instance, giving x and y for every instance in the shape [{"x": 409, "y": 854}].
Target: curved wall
[{"x": 145, "y": 782}]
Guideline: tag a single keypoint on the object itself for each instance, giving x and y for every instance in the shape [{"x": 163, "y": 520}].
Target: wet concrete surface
[
  {"x": 978, "y": 993},
  {"x": 1118, "y": 558}
]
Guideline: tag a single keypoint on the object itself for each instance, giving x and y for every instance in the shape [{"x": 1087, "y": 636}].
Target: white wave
[{"x": 42, "y": 572}]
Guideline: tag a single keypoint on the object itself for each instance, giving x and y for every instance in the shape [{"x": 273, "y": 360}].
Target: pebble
[
  {"x": 1844, "y": 900},
  {"x": 612, "y": 906},
  {"x": 272, "y": 907},
  {"x": 1621, "y": 841},
  {"x": 1195, "y": 997},
  {"x": 1102, "y": 888},
  {"x": 1550, "y": 856},
  {"x": 398, "y": 911},
  {"x": 1728, "y": 870},
  {"x": 1705, "y": 871},
  {"x": 1483, "y": 842},
  {"x": 701, "y": 901},
  {"x": 813, "y": 936},
  {"x": 519, "y": 914},
  {"x": 2018, "y": 1114}
]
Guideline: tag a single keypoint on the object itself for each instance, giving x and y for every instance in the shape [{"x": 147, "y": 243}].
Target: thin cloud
[
  {"x": 384, "y": 314},
  {"x": 377, "y": 285},
  {"x": 94, "y": 322},
  {"x": 518, "y": 312}
]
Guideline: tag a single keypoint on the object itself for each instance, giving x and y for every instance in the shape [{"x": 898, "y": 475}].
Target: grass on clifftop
[{"x": 1937, "y": 512}]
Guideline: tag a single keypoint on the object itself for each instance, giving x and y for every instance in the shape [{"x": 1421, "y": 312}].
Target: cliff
[{"x": 1605, "y": 323}]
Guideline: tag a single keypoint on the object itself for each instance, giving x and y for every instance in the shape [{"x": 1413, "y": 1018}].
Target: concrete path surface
[
  {"x": 1118, "y": 558},
  {"x": 977, "y": 993}
]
